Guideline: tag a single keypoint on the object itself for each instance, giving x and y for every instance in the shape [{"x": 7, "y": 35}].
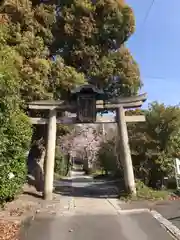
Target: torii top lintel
[{"x": 112, "y": 104}]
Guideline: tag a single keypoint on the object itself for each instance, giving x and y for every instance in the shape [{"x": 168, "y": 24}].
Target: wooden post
[
  {"x": 50, "y": 156},
  {"x": 125, "y": 153}
]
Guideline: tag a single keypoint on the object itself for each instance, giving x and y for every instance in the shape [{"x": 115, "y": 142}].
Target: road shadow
[
  {"x": 174, "y": 218},
  {"x": 85, "y": 187},
  {"x": 33, "y": 194}
]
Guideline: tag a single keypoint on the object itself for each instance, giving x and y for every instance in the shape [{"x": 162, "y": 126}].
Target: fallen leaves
[
  {"x": 9, "y": 230},
  {"x": 173, "y": 198},
  {"x": 14, "y": 213}
]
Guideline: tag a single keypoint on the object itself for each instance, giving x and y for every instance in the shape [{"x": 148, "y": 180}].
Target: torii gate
[{"x": 87, "y": 114}]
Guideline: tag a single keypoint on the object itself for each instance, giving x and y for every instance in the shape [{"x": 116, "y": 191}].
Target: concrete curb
[
  {"x": 130, "y": 211},
  {"x": 172, "y": 229}
]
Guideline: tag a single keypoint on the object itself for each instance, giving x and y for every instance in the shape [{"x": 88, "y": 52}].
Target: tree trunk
[
  {"x": 69, "y": 164},
  {"x": 85, "y": 165},
  {"x": 36, "y": 157}
]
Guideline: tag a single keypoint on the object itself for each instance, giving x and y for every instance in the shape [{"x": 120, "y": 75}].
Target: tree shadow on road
[
  {"x": 82, "y": 187},
  {"x": 174, "y": 218}
]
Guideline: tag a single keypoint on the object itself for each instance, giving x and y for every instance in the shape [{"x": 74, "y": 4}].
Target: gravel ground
[
  {"x": 27, "y": 205},
  {"x": 9, "y": 230}
]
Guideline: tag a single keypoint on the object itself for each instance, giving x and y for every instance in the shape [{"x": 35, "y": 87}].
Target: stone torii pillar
[
  {"x": 50, "y": 156},
  {"x": 125, "y": 153}
]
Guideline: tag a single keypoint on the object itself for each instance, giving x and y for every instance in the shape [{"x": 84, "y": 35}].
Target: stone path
[{"x": 87, "y": 215}]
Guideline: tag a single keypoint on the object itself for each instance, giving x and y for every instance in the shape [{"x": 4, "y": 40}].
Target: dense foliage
[
  {"x": 107, "y": 157},
  {"x": 61, "y": 163},
  {"x": 154, "y": 144},
  {"x": 15, "y": 129},
  {"x": 80, "y": 34},
  {"x": 90, "y": 35},
  {"x": 41, "y": 77}
]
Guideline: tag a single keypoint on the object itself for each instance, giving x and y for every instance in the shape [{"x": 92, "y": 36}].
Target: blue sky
[{"x": 156, "y": 48}]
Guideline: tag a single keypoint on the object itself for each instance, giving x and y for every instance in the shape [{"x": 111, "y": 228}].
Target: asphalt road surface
[
  {"x": 169, "y": 209},
  {"x": 90, "y": 216}
]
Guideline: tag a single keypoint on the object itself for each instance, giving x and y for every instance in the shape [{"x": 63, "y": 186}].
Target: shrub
[
  {"x": 106, "y": 157},
  {"x": 155, "y": 143},
  {"x": 61, "y": 163},
  {"x": 15, "y": 130}
]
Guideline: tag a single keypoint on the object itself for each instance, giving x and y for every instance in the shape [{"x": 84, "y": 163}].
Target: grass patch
[
  {"x": 145, "y": 193},
  {"x": 97, "y": 173},
  {"x": 101, "y": 174},
  {"x": 57, "y": 176}
]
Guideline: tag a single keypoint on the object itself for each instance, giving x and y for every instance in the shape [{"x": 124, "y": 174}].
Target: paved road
[
  {"x": 90, "y": 216},
  {"x": 168, "y": 209}
]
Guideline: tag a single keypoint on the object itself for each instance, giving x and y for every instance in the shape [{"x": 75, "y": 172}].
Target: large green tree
[
  {"x": 87, "y": 35},
  {"x": 91, "y": 36},
  {"x": 155, "y": 143},
  {"x": 29, "y": 32}
]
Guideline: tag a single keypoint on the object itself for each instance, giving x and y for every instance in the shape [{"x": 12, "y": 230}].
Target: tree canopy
[
  {"x": 28, "y": 31},
  {"x": 90, "y": 35},
  {"x": 60, "y": 45}
]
